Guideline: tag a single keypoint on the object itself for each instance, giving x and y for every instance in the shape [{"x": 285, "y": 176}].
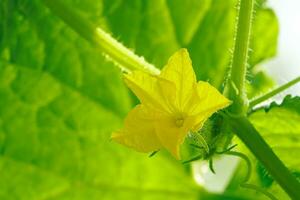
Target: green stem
[
  {"x": 235, "y": 90},
  {"x": 257, "y": 145},
  {"x": 259, "y": 189},
  {"x": 246, "y": 159},
  {"x": 273, "y": 92},
  {"x": 236, "y": 84},
  {"x": 121, "y": 55},
  {"x": 247, "y": 177}
]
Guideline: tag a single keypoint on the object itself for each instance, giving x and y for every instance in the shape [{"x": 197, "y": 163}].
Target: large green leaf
[
  {"x": 59, "y": 102},
  {"x": 206, "y": 27},
  {"x": 279, "y": 125},
  {"x": 42, "y": 42},
  {"x": 264, "y": 43},
  {"x": 55, "y": 145}
]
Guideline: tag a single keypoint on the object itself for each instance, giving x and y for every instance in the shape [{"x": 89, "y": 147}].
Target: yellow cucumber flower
[{"x": 173, "y": 104}]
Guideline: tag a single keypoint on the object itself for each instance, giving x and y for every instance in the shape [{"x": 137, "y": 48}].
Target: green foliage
[
  {"x": 60, "y": 98},
  {"x": 258, "y": 83},
  {"x": 60, "y": 101},
  {"x": 264, "y": 42},
  {"x": 280, "y": 122},
  {"x": 265, "y": 179},
  {"x": 206, "y": 28},
  {"x": 264, "y": 46},
  {"x": 52, "y": 131}
]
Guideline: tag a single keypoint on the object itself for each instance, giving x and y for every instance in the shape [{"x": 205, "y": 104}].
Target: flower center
[{"x": 179, "y": 122}]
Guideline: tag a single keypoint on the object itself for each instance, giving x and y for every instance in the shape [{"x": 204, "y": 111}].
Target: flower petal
[
  {"x": 138, "y": 132},
  {"x": 170, "y": 135},
  {"x": 179, "y": 70},
  {"x": 147, "y": 88},
  {"x": 210, "y": 97},
  {"x": 206, "y": 101}
]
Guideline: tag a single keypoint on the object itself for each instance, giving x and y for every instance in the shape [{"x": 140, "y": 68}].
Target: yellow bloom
[{"x": 172, "y": 105}]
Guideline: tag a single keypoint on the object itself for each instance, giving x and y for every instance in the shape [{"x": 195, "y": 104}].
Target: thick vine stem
[
  {"x": 257, "y": 145},
  {"x": 235, "y": 88},
  {"x": 116, "y": 51}
]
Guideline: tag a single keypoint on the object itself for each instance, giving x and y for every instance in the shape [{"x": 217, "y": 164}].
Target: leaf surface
[{"x": 279, "y": 125}]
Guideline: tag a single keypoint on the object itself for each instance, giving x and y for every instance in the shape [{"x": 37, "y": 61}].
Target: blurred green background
[{"x": 60, "y": 98}]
